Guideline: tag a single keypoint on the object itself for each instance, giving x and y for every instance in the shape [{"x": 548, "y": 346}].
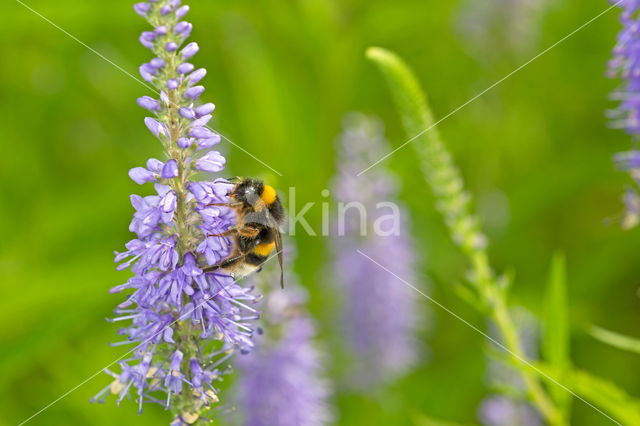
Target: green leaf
[
  {"x": 555, "y": 339},
  {"x": 620, "y": 341},
  {"x": 612, "y": 401}
]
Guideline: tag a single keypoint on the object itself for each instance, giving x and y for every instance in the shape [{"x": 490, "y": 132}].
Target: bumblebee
[{"x": 259, "y": 215}]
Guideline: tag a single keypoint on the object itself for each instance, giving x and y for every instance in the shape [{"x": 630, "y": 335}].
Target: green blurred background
[{"x": 535, "y": 150}]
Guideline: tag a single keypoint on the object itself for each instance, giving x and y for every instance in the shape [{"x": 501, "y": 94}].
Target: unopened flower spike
[{"x": 185, "y": 322}]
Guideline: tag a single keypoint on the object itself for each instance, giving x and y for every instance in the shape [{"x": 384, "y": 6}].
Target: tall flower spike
[
  {"x": 503, "y": 410},
  {"x": 185, "y": 321},
  {"x": 281, "y": 380},
  {"x": 626, "y": 65},
  {"x": 380, "y": 315}
]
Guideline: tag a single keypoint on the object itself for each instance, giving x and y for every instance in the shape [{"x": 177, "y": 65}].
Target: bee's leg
[
  {"x": 232, "y": 205},
  {"x": 248, "y": 231},
  {"x": 226, "y": 233},
  {"x": 224, "y": 264}
]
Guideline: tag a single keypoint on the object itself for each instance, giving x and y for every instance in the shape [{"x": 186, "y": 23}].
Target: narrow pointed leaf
[
  {"x": 610, "y": 400},
  {"x": 620, "y": 341}
]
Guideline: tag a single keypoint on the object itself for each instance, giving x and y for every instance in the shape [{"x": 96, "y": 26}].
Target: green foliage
[
  {"x": 620, "y": 341},
  {"x": 556, "y": 338},
  {"x": 603, "y": 394}
]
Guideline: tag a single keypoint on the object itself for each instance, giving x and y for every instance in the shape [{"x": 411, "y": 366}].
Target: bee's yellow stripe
[
  {"x": 268, "y": 195},
  {"x": 264, "y": 249}
]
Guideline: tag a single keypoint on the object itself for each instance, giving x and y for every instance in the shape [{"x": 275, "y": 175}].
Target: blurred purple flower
[
  {"x": 499, "y": 410},
  {"x": 490, "y": 27},
  {"x": 281, "y": 380},
  {"x": 625, "y": 64},
  {"x": 380, "y": 314},
  {"x": 185, "y": 322}
]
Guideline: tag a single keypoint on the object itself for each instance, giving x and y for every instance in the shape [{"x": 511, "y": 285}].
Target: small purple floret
[
  {"x": 208, "y": 143},
  {"x": 204, "y": 109},
  {"x": 201, "y": 132},
  {"x": 212, "y": 162},
  {"x": 187, "y": 113},
  {"x": 182, "y": 11},
  {"x": 157, "y": 128},
  {"x": 194, "y": 92},
  {"x": 190, "y": 50},
  {"x": 142, "y": 9},
  {"x": 185, "y": 68},
  {"x": 173, "y": 83},
  {"x": 170, "y": 169},
  {"x": 149, "y": 103},
  {"x": 141, "y": 175},
  {"x": 197, "y": 75}
]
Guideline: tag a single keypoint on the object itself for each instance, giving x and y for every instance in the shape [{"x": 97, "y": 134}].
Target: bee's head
[
  {"x": 247, "y": 191},
  {"x": 251, "y": 191}
]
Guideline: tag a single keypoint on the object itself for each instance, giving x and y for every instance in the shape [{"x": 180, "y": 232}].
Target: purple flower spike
[
  {"x": 190, "y": 50},
  {"x": 626, "y": 66},
  {"x": 171, "y": 46},
  {"x": 174, "y": 364},
  {"x": 196, "y": 76},
  {"x": 155, "y": 126},
  {"x": 201, "y": 132},
  {"x": 173, "y": 84},
  {"x": 204, "y": 109},
  {"x": 187, "y": 113},
  {"x": 142, "y": 9},
  {"x": 185, "y": 68},
  {"x": 381, "y": 318},
  {"x": 194, "y": 92},
  {"x": 182, "y": 11},
  {"x": 149, "y": 103},
  {"x": 141, "y": 175},
  {"x": 170, "y": 169},
  {"x": 212, "y": 162}
]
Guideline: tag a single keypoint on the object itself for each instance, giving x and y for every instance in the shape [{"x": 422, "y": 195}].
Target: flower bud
[
  {"x": 149, "y": 103},
  {"x": 194, "y": 92},
  {"x": 190, "y": 50},
  {"x": 212, "y": 162}
]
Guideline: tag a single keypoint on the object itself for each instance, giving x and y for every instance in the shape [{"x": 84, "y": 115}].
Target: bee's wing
[{"x": 279, "y": 250}]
